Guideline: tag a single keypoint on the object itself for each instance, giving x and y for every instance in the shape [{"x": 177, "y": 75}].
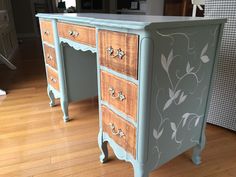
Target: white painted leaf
[
  {"x": 163, "y": 62},
  {"x": 186, "y": 115},
  {"x": 156, "y": 134},
  {"x": 170, "y": 58},
  {"x": 176, "y": 94},
  {"x": 184, "y": 121},
  {"x": 171, "y": 93},
  {"x": 205, "y": 59},
  {"x": 182, "y": 98},
  {"x": 191, "y": 69},
  {"x": 173, "y": 135},
  {"x": 173, "y": 126},
  {"x": 168, "y": 103},
  {"x": 204, "y": 50},
  {"x": 188, "y": 67},
  {"x": 197, "y": 121}
]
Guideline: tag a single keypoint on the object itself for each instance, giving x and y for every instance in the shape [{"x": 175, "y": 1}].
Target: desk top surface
[{"x": 131, "y": 20}]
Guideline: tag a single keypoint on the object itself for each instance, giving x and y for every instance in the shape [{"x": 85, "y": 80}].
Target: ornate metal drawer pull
[
  {"x": 53, "y": 79},
  {"x": 73, "y": 33},
  {"x": 49, "y": 57},
  {"x": 120, "y": 96},
  {"x": 110, "y": 50},
  {"x": 118, "y": 132},
  {"x": 46, "y": 32},
  {"x": 118, "y": 53}
]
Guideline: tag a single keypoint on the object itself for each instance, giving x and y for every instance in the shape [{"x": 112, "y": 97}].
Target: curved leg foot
[
  {"x": 139, "y": 171},
  {"x": 51, "y": 97},
  {"x": 196, "y": 157},
  {"x": 64, "y": 107},
  {"x": 103, "y": 148}
]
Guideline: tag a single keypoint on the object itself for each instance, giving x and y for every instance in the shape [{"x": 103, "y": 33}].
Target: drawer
[
  {"x": 119, "y": 93},
  {"x": 82, "y": 34},
  {"x": 121, "y": 131},
  {"x": 50, "y": 56},
  {"x": 119, "y": 51},
  {"x": 46, "y": 31},
  {"x": 52, "y": 78}
]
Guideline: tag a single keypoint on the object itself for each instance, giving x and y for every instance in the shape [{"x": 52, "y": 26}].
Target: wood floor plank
[{"x": 34, "y": 140}]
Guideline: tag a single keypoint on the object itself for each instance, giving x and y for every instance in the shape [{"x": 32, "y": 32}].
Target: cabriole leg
[
  {"x": 51, "y": 97},
  {"x": 196, "y": 157},
  {"x": 103, "y": 148},
  {"x": 139, "y": 171},
  {"x": 64, "y": 107}
]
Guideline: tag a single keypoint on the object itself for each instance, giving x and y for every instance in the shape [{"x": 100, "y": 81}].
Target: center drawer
[
  {"x": 119, "y": 93},
  {"x": 82, "y": 34},
  {"x": 121, "y": 131}
]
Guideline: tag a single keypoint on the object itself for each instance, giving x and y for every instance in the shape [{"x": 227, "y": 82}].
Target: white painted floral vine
[{"x": 178, "y": 96}]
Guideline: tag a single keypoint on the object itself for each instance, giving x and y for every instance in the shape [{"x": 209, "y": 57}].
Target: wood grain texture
[
  {"x": 36, "y": 142},
  {"x": 128, "y": 43},
  {"x": 46, "y": 31},
  {"x": 128, "y": 141},
  {"x": 52, "y": 77},
  {"x": 128, "y": 89},
  {"x": 50, "y": 56},
  {"x": 86, "y": 35}
]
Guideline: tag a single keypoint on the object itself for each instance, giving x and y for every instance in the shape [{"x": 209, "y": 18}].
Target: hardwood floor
[{"x": 34, "y": 140}]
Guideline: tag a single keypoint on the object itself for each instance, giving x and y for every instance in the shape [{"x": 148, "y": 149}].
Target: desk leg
[
  {"x": 64, "y": 107},
  {"x": 139, "y": 171},
  {"x": 103, "y": 148},
  {"x": 196, "y": 157},
  {"x": 51, "y": 97}
]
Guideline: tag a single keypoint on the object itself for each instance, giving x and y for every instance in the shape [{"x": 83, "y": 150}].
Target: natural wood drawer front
[
  {"x": 119, "y": 93},
  {"x": 53, "y": 78},
  {"x": 82, "y": 34},
  {"x": 46, "y": 31},
  {"x": 50, "y": 56},
  {"x": 119, "y": 51},
  {"x": 121, "y": 131}
]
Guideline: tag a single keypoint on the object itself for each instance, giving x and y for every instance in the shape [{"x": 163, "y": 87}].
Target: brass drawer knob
[
  {"x": 120, "y": 96},
  {"x": 53, "y": 79},
  {"x": 115, "y": 132},
  {"x": 118, "y": 53}
]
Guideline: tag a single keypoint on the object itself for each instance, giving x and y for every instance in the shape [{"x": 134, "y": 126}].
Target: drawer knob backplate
[
  {"x": 46, "y": 32},
  {"x": 49, "y": 57},
  {"x": 118, "y": 132},
  {"x": 73, "y": 33},
  {"x": 53, "y": 79},
  {"x": 120, "y": 96},
  {"x": 118, "y": 53}
]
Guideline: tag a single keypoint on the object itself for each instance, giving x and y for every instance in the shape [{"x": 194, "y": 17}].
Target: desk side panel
[{"x": 181, "y": 75}]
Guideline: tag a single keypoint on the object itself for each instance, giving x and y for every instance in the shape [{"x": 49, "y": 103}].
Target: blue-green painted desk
[{"x": 168, "y": 64}]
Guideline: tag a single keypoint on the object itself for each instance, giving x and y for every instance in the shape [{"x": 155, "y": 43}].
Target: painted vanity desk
[{"x": 153, "y": 78}]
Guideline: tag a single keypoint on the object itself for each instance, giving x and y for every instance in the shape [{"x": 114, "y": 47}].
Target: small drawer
[
  {"x": 121, "y": 131},
  {"x": 119, "y": 93},
  {"x": 119, "y": 51},
  {"x": 82, "y": 34},
  {"x": 50, "y": 56},
  {"x": 53, "y": 78},
  {"x": 46, "y": 31}
]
